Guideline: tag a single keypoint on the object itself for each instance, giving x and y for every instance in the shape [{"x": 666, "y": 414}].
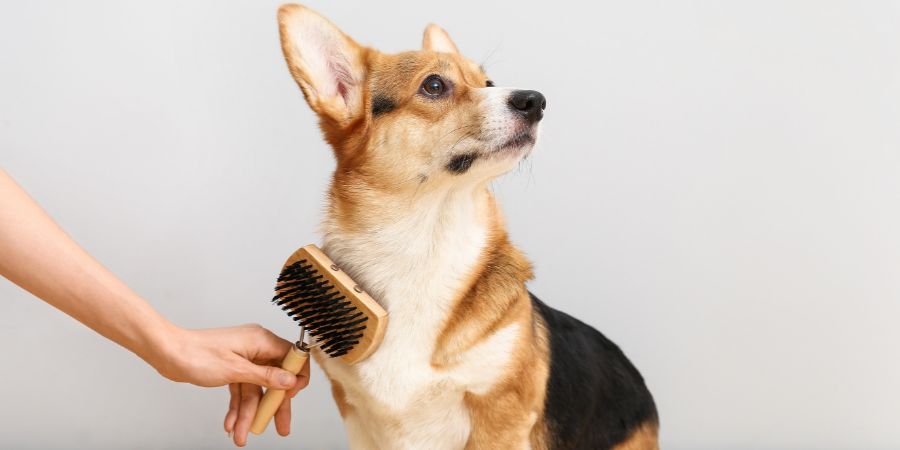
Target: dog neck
[{"x": 417, "y": 244}]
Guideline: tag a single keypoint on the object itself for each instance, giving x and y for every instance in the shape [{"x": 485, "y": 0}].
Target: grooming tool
[{"x": 344, "y": 321}]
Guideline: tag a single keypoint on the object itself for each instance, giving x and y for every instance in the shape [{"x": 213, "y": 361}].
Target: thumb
[{"x": 266, "y": 376}]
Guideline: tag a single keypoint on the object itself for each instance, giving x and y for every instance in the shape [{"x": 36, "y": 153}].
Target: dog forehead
[{"x": 393, "y": 73}]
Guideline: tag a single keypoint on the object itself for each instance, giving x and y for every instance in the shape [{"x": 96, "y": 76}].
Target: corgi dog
[{"x": 470, "y": 358}]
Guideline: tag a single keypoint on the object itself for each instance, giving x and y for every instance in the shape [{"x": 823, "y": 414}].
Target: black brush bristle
[{"x": 326, "y": 314}]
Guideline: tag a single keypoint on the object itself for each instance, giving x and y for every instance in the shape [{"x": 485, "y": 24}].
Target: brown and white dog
[{"x": 470, "y": 358}]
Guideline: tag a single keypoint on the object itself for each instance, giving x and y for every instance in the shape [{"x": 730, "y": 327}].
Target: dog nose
[{"x": 530, "y": 104}]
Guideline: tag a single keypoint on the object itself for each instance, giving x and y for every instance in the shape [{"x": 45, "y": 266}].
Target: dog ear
[
  {"x": 327, "y": 64},
  {"x": 436, "y": 39}
]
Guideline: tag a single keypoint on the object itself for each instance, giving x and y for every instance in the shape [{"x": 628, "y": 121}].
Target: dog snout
[{"x": 530, "y": 104}]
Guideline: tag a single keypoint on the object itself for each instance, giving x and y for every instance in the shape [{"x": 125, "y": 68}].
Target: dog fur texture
[{"x": 470, "y": 359}]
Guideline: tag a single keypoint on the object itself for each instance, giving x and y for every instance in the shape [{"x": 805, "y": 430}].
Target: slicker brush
[{"x": 339, "y": 317}]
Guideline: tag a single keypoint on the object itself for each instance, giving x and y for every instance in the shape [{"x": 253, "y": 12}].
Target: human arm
[{"x": 41, "y": 258}]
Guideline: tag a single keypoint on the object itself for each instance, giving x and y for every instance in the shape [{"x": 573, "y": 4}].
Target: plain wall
[{"x": 717, "y": 189}]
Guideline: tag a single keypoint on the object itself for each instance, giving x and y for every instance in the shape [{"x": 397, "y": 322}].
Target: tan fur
[
  {"x": 496, "y": 298},
  {"x": 340, "y": 398},
  {"x": 644, "y": 438}
]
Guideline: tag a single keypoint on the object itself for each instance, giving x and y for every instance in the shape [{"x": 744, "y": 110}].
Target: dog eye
[
  {"x": 433, "y": 86},
  {"x": 489, "y": 83}
]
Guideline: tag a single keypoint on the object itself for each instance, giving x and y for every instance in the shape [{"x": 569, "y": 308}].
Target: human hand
[
  {"x": 244, "y": 357},
  {"x": 245, "y": 398}
]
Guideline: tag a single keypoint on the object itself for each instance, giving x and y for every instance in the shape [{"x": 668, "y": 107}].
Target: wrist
[{"x": 159, "y": 344}]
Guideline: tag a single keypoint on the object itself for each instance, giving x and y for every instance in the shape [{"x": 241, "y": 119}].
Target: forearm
[{"x": 36, "y": 254}]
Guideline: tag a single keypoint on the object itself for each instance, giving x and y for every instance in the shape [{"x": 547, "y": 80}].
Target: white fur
[
  {"x": 500, "y": 122},
  {"x": 416, "y": 267}
]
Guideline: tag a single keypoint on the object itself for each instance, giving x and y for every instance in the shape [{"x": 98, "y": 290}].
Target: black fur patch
[
  {"x": 461, "y": 163},
  {"x": 382, "y": 105},
  {"x": 595, "y": 396}
]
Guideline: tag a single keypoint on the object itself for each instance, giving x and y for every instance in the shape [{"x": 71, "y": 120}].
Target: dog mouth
[
  {"x": 516, "y": 146},
  {"x": 519, "y": 140}
]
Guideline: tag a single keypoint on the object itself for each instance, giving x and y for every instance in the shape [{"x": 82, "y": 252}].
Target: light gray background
[{"x": 716, "y": 189}]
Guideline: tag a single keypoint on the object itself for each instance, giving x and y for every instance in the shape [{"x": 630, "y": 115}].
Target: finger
[
  {"x": 234, "y": 390},
  {"x": 302, "y": 381},
  {"x": 250, "y": 395},
  {"x": 266, "y": 376},
  {"x": 283, "y": 417}
]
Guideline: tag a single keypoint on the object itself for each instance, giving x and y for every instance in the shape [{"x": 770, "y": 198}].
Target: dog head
[{"x": 429, "y": 117}]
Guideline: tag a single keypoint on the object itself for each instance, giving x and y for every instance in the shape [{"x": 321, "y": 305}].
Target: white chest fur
[{"x": 416, "y": 267}]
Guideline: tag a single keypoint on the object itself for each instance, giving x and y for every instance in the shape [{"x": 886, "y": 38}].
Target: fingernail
[
  {"x": 286, "y": 379},
  {"x": 230, "y": 435}
]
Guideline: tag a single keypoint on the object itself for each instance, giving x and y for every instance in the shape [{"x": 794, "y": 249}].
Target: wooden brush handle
[{"x": 293, "y": 362}]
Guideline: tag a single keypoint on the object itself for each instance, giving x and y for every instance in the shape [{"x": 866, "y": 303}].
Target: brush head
[
  {"x": 345, "y": 321},
  {"x": 319, "y": 307}
]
